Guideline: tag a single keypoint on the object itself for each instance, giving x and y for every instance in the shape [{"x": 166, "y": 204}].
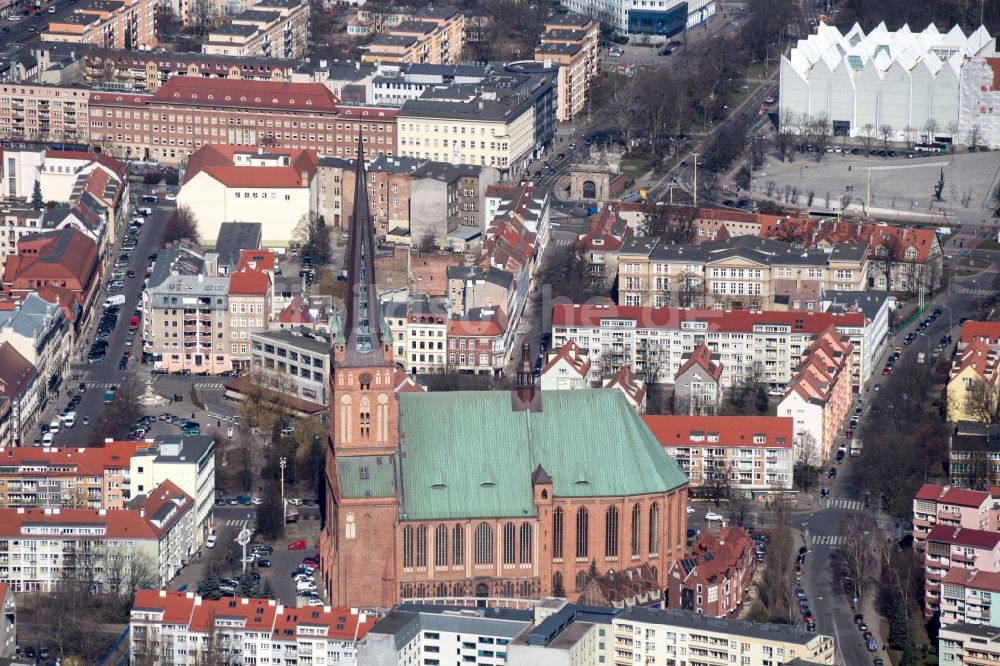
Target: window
[
  {"x": 441, "y": 546},
  {"x": 407, "y": 547},
  {"x": 509, "y": 545},
  {"x": 458, "y": 545},
  {"x": 582, "y": 523},
  {"x": 581, "y": 581},
  {"x": 525, "y": 543},
  {"x": 557, "y": 585},
  {"x": 611, "y": 532},
  {"x": 484, "y": 544},
  {"x": 422, "y": 546},
  {"x": 654, "y": 529},
  {"x": 557, "y": 533},
  {"x": 636, "y": 530}
]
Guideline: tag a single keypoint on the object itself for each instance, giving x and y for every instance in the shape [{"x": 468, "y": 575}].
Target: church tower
[{"x": 357, "y": 549}]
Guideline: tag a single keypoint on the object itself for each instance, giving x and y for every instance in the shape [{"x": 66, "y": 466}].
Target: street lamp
[
  {"x": 979, "y": 299},
  {"x": 950, "y": 325},
  {"x": 282, "y": 462}
]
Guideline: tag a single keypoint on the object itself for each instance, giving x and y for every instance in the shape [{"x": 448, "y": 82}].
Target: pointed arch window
[
  {"x": 636, "y": 530},
  {"x": 458, "y": 545},
  {"x": 441, "y": 546},
  {"x": 525, "y": 543},
  {"x": 654, "y": 529},
  {"x": 484, "y": 544},
  {"x": 509, "y": 543},
  {"x": 611, "y": 532},
  {"x": 422, "y": 547},
  {"x": 557, "y": 533},
  {"x": 407, "y": 547},
  {"x": 582, "y": 527}
]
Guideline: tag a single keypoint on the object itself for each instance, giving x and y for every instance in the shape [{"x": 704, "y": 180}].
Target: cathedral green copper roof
[
  {"x": 469, "y": 455},
  {"x": 367, "y": 476}
]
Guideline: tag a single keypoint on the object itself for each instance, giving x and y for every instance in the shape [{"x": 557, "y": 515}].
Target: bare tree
[
  {"x": 821, "y": 131},
  {"x": 868, "y": 135},
  {"x": 885, "y": 131},
  {"x": 427, "y": 242},
  {"x": 910, "y": 134},
  {"x": 808, "y": 459},
  {"x": 116, "y": 421},
  {"x": 691, "y": 291},
  {"x": 973, "y": 136},
  {"x": 313, "y": 235},
  {"x": 930, "y": 130},
  {"x": 886, "y": 256},
  {"x": 181, "y": 224},
  {"x": 982, "y": 401},
  {"x": 856, "y": 558}
]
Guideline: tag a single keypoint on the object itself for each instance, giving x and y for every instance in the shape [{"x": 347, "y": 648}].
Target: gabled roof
[
  {"x": 53, "y": 461},
  {"x": 195, "y": 91},
  {"x": 736, "y": 431},
  {"x": 60, "y": 254},
  {"x": 700, "y": 356},
  {"x": 16, "y": 372},
  {"x": 625, "y": 381},
  {"x": 573, "y": 356},
  {"x": 296, "y": 312},
  {"x": 249, "y": 282},
  {"x": 954, "y": 496},
  {"x": 220, "y": 162},
  {"x": 988, "y": 331},
  {"x": 980, "y": 357},
  {"x": 961, "y": 536}
]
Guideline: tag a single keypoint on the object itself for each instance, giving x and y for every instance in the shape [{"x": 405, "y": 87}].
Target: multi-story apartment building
[
  {"x": 751, "y": 455},
  {"x": 698, "y": 383},
  {"x": 193, "y": 630},
  {"x": 975, "y": 366},
  {"x": 573, "y": 42},
  {"x": 951, "y": 548},
  {"x": 471, "y": 287},
  {"x": 969, "y": 596},
  {"x": 974, "y": 454},
  {"x": 300, "y": 356},
  {"x": 147, "y": 71},
  {"x": 39, "y": 547},
  {"x": 506, "y": 122},
  {"x": 70, "y": 478},
  {"x": 20, "y": 396},
  {"x": 249, "y": 311},
  {"x": 738, "y": 273},
  {"x": 419, "y": 327},
  {"x": 186, "y": 313},
  {"x": 955, "y": 507},
  {"x": 389, "y": 192},
  {"x": 433, "y": 35},
  {"x": 965, "y": 643},
  {"x": 267, "y": 29},
  {"x": 392, "y": 84},
  {"x": 566, "y": 369},
  {"x": 820, "y": 396},
  {"x": 987, "y": 332},
  {"x": 476, "y": 341},
  {"x": 39, "y": 331},
  {"x": 716, "y": 577},
  {"x": 38, "y": 112},
  {"x": 186, "y": 113},
  {"x": 114, "y": 24},
  {"x": 655, "y": 340},
  {"x": 445, "y": 197},
  {"x": 8, "y": 622}
]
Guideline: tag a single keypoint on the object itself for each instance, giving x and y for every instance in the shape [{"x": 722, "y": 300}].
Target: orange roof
[
  {"x": 194, "y": 91},
  {"x": 296, "y": 312},
  {"x": 573, "y": 355},
  {"x": 777, "y": 431},
  {"x": 952, "y": 495},
  {"x": 980, "y": 357},
  {"x": 625, "y": 381},
  {"x": 810, "y": 232},
  {"x": 988, "y": 331},
  {"x": 261, "y": 260},
  {"x": 219, "y": 162},
  {"x": 492, "y": 327},
  {"x": 90, "y": 461},
  {"x": 822, "y": 366},
  {"x": 702, "y": 357},
  {"x": 247, "y": 281}
]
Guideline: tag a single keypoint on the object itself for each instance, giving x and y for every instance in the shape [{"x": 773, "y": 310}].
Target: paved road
[{"x": 30, "y": 28}]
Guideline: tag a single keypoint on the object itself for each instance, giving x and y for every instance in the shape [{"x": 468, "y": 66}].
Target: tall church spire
[{"x": 362, "y": 319}]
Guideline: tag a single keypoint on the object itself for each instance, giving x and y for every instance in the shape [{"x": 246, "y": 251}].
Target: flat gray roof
[{"x": 315, "y": 342}]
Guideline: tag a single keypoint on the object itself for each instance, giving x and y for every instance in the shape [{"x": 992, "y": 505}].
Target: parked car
[
  {"x": 711, "y": 515},
  {"x": 265, "y": 563},
  {"x": 210, "y": 541},
  {"x": 297, "y": 545}
]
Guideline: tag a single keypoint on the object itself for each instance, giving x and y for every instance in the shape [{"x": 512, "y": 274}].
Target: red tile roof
[
  {"x": 988, "y": 331},
  {"x": 195, "y": 91},
  {"x": 980, "y": 357},
  {"x": 702, "y": 357},
  {"x": 960, "y": 536},
  {"x": 564, "y": 314},
  {"x": 249, "y": 282},
  {"x": 812, "y": 232},
  {"x": 89, "y": 461},
  {"x": 60, "y": 255},
  {"x": 731, "y": 430},
  {"x": 261, "y": 260},
  {"x": 573, "y": 355},
  {"x": 934, "y": 492},
  {"x": 625, "y": 381},
  {"x": 824, "y": 363},
  {"x": 218, "y": 162},
  {"x": 296, "y": 312}
]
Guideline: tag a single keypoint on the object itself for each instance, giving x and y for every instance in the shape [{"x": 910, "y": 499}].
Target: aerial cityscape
[{"x": 527, "y": 332}]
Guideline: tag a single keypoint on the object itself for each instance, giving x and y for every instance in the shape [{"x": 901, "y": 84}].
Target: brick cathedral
[{"x": 485, "y": 493}]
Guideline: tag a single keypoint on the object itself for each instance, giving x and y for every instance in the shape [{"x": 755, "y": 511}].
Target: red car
[
  {"x": 311, "y": 561},
  {"x": 297, "y": 545},
  {"x": 886, "y": 370}
]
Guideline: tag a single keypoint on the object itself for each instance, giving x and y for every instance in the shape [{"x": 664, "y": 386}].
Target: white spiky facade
[{"x": 902, "y": 79}]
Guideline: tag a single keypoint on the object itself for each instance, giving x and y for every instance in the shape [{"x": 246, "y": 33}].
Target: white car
[
  {"x": 711, "y": 515},
  {"x": 250, "y": 558},
  {"x": 171, "y": 197},
  {"x": 210, "y": 541},
  {"x": 690, "y": 509},
  {"x": 314, "y": 601},
  {"x": 256, "y": 501},
  {"x": 295, "y": 501}
]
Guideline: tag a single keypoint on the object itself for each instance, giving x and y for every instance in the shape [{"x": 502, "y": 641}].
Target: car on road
[
  {"x": 872, "y": 645},
  {"x": 711, "y": 515},
  {"x": 690, "y": 509},
  {"x": 311, "y": 562},
  {"x": 86, "y": 420},
  {"x": 297, "y": 545},
  {"x": 832, "y": 473},
  {"x": 171, "y": 197},
  {"x": 210, "y": 541},
  {"x": 862, "y": 626},
  {"x": 877, "y": 661},
  {"x": 264, "y": 563}
]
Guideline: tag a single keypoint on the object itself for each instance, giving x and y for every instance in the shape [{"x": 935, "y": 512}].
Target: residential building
[
  {"x": 716, "y": 577},
  {"x": 114, "y": 24},
  {"x": 187, "y": 461},
  {"x": 573, "y": 42},
  {"x": 335, "y": 190},
  {"x": 452, "y": 634},
  {"x": 297, "y": 354},
  {"x": 844, "y": 76},
  {"x": 955, "y": 507},
  {"x": 249, "y": 311},
  {"x": 476, "y": 341},
  {"x": 567, "y": 368},
  {"x": 654, "y": 340},
  {"x": 232, "y": 240},
  {"x": 242, "y": 113},
  {"x": 227, "y": 183},
  {"x": 752, "y": 455},
  {"x": 973, "y": 370},
  {"x": 446, "y": 197},
  {"x": 505, "y": 123},
  {"x": 392, "y": 84},
  {"x": 472, "y": 287},
  {"x": 659, "y": 18},
  {"x": 974, "y": 454},
  {"x": 528, "y": 205},
  {"x": 38, "y": 330},
  {"x": 184, "y": 625},
  {"x": 969, "y": 596},
  {"x": 21, "y": 392},
  {"x": 820, "y": 396},
  {"x": 419, "y": 327},
  {"x": 147, "y": 71},
  {"x": 433, "y": 35},
  {"x": 631, "y": 386},
  {"x": 983, "y": 331},
  {"x": 375, "y": 21},
  {"x": 8, "y": 622},
  {"x": 698, "y": 383},
  {"x": 68, "y": 478},
  {"x": 968, "y": 643},
  {"x": 735, "y": 273},
  {"x": 39, "y": 112},
  {"x": 389, "y": 192},
  {"x": 875, "y": 306},
  {"x": 453, "y": 460},
  {"x": 951, "y": 548},
  {"x": 267, "y": 28},
  {"x": 157, "y": 528},
  {"x": 186, "y": 314}
]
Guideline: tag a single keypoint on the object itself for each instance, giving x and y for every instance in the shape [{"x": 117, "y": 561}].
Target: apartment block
[
  {"x": 506, "y": 122},
  {"x": 965, "y": 643},
  {"x": 8, "y": 622},
  {"x": 820, "y": 395},
  {"x": 299, "y": 356},
  {"x": 974, "y": 454},
  {"x": 392, "y": 84},
  {"x": 954, "y": 507},
  {"x": 969, "y": 596},
  {"x": 445, "y": 198},
  {"x": 38, "y": 329},
  {"x": 186, "y": 113},
  {"x": 41, "y": 547},
  {"x": 974, "y": 366},
  {"x": 419, "y": 327},
  {"x": 717, "y": 575},
  {"x": 184, "y": 625},
  {"x": 249, "y": 311},
  {"x": 477, "y": 341},
  {"x": 698, "y": 383},
  {"x": 566, "y": 369},
  {"x": 267, "y": 29},
  {"x": 655, "y": 340},
  {"x": 431, "y": 35},
  {"x": 390, "y": 193},
  {"x": 37, "y": 112},
  {"x": 573, "y": 42},
  {"x": 736, "y": 273},
  {"x": 116, "y": 24},
  {"x": 752, "y": 455},
  {"x": 956, "y": 548}
]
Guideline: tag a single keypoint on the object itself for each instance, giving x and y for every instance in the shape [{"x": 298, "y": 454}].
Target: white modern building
[
  {"x": 911, "y": 82},
  {"x": 646, "y": 17}
]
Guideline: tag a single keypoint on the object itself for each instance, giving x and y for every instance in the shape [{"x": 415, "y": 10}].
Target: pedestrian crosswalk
[
  {"x": 975, "y": 292},
  {"x": 100, "y": 385},
  {"x": 827, "y": 540},
  {"x": 236, "y": 522},
  {"x": 853, "y": 505},
  {"x": 209, "y": 386}
]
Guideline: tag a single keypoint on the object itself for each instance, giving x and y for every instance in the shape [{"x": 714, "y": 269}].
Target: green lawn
[
  {"x": 635, "y": 166},
  {"x": 968, "y": 262},
  {"x": 988, "y": 244}
]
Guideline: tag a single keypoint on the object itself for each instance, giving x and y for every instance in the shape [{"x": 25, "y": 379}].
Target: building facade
[
  {"x": 300, "y": 356},
  {"x": 266, "y": 29},
  {"x": 37, "y": 112},
  {"x": 716, "y": 577},
  {"x": 659, "y": 18},
  {"x": 433, "y": 35},
  {"x": 573, "y": 42},
  {"x": 956, "y": 548},
  {"x": 955, "y": 507},
  {"x": 113, "y": 24}
]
